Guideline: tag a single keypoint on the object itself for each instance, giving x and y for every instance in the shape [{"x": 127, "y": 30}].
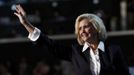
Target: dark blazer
[{"x": 112, "y": 61}]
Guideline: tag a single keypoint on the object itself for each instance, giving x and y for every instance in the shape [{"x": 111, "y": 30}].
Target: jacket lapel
[
  {"x": 84, "y": 54},
  {"x": 83, "y": 61},
  {"x": 104, "y": 60},
  {"x": 87, "y": 55}
]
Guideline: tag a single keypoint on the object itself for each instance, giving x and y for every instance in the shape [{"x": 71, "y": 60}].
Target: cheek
[
  {"x": 79, "y": 32},
  {"x": 87, "y": 30}
]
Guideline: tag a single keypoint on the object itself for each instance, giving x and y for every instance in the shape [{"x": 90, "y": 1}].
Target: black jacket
[{"x": 112, "y": 61}]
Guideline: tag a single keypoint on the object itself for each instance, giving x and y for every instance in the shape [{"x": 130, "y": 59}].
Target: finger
[
  {"x": 20, "y": 7},
  {"x": 17, "y": 9},
  {"x": 16, "y": 14},
  {"x": 20, "y": 10}
]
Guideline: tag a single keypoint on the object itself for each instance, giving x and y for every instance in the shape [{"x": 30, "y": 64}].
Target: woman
[{"x": 91, "y": 56}]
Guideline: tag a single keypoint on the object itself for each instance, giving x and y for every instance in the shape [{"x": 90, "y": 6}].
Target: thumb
[{"x": 16, "y": 14}]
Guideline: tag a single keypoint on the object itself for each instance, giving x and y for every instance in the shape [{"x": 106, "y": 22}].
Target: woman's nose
[{"x": 82, "y": 30}]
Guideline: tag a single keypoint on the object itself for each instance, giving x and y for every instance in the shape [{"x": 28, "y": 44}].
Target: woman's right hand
[{"x": 21, "y": 14}]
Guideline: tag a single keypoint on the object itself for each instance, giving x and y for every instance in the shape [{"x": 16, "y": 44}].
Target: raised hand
[{"x": 21, "y": 14}]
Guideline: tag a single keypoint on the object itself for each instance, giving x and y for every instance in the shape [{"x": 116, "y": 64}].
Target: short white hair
[{"x": 96, "y": 22}]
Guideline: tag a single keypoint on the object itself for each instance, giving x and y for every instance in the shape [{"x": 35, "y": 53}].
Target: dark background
[{"x": 55, "y": 18}]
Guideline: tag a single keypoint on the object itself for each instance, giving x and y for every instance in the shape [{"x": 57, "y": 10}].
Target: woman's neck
[{"x": 93, "y": 44}]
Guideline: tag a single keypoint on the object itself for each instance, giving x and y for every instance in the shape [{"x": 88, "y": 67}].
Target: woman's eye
[
  {"x": 79, "y": 28},
  {"x": 87, "y": 26}
]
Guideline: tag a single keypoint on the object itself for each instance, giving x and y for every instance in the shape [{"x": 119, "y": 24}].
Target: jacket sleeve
[{"x": 58, "y": 49}]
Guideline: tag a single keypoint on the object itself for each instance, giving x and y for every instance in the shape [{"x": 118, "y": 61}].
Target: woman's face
[{"x": 87, "y": 32}]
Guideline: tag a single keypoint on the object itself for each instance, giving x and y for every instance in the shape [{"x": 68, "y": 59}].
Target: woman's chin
[{"x": 85, "y": 40}]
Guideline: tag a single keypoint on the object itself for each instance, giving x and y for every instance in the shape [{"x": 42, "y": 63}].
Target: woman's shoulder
[
  {"x": 112, "y": 44},
  {"x": 113, "y": 47}
]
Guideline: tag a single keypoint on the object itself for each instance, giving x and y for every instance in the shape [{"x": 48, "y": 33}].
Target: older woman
[{"x": 91, "y": 56}]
